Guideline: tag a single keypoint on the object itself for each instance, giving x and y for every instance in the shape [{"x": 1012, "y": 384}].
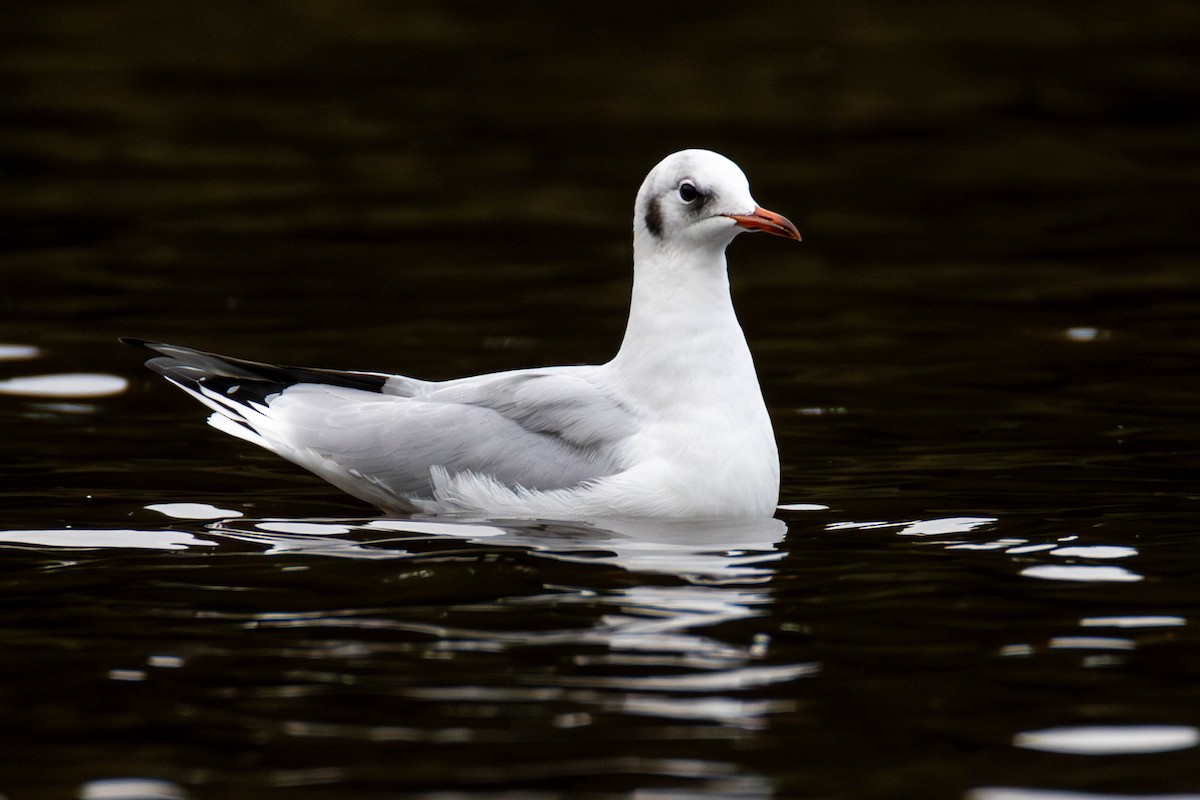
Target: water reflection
[
  {"x": 657, "y": 651},
  {"x": 197, "y": 511},
  {"x": 1012, "y": 793},
  {"x": 75, "y": 385},
  {"x": 131, "y": 789},
  {"x": 658, "y": 647},
  {"x": 386, "y": 632},
  {"x": 704, "y": 551},
  {"x": 18, "y": 352},
  {"x": 1107, "y": 740},
  {"x": 1133, "y": 622},
  {"x": 1086, "y": 573},
  {"x": 117, "y": 539},
  {"x": 724, "y": 568}
]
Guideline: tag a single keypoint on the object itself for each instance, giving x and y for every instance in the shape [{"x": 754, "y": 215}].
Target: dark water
[{"x": 981, "y": 361}]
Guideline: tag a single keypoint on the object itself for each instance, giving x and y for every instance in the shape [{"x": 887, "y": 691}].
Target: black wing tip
[
  {"x": 187, "y": 364},
  {"x": 133, "y": 341}
]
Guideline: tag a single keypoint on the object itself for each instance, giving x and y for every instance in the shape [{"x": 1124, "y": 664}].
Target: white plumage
[{"x": 673, "y": 426}]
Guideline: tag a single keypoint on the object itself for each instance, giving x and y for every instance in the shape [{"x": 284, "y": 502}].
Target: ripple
[
  {"x": 193, "y": 511},
  {"x": 18, "y": 352},
  {"x": 698, "y": 550},
  {"x": 304, "y": 528},
  {"x": 922, "y": 527},
  {"x": 67, "y": 384},
  {"x": 802, "y": 507},
  {"x": 1078, "y": 572},
  {"x": 1133, "y": 622},
  {"x": 96, "y": 539},
  {"x": 748, "y": 714},
  {"x": 1013, "y": 793},
  {"x": 1091, "y": 643},
  {"x": 131, "y": 789},
  {"x": 1095, "y": 551},
  {"x": 728, "y": 680},
  {"x": 1105, "y": 740},
  {"x": 458, "y": 529},
  {"x": 1086, "y": 334}
]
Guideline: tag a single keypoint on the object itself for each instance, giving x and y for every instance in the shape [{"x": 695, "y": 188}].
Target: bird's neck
[{"x": 683, "y": 336}]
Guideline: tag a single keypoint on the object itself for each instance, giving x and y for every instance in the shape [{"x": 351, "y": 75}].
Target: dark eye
[{"x": 688, "y": 192}]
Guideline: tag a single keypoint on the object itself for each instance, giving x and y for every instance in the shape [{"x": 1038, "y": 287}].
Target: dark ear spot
[{"x": 653, "y": 218}]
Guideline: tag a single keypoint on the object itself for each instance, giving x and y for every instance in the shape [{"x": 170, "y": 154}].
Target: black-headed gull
[{"x": 673, "y": 426}]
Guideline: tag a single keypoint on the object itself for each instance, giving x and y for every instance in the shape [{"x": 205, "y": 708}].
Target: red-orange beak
[{"x": 767, "y": 222}]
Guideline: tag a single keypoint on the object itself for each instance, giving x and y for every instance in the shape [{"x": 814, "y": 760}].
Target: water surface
[{"x": 980, "y": 363}]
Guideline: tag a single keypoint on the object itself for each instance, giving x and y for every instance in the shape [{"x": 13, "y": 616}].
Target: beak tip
[{"x": 768, "y": 222}]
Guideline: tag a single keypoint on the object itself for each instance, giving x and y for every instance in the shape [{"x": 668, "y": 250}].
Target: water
[{"x": 980, "y": 363}]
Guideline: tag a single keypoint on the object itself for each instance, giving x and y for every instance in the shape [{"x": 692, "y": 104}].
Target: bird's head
[{"x": 698, "y": 199}]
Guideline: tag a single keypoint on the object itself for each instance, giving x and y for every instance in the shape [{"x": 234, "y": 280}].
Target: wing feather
[{"x": 385, "y": 437}]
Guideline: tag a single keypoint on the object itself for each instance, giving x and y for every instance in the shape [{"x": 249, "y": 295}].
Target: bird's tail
[{"x": 239, "y": 390}]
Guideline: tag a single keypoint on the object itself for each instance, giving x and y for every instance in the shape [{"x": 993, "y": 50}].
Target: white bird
[{"x": 674, "y": 426}]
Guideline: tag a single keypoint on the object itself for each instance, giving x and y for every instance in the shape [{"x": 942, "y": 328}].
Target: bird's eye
[{"x": 688, "y": 192}]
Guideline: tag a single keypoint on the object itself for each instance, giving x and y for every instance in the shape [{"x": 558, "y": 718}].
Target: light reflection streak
[
  {"x": 1134, "y": 621},
  {"x": 1091, "y": 643},
  {"x": 19, "y": 352},
  {"x": 119, "y": 539},
  {"x": 1082, "y": 572},
  {"x": 1019, "y": 793},
  {"x": 198, "y": 511},
  {"x": 131, "y": 789},
  {"x": 73, "y": 385},
  {"x": 1105, "y": 740}
]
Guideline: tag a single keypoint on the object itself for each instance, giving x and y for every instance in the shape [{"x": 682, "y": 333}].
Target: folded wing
[{"x": 384, "y": 437}]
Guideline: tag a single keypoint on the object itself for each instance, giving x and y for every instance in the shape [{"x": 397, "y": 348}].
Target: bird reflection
[
  {"x": 649, "y": 648},
  {"x": 699, "y": 551}
]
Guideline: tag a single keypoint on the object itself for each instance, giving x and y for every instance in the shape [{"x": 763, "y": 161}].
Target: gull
[{"x": 674, "y": 426}]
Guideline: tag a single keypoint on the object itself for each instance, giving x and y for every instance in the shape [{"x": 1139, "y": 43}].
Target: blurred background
[{"x": 167, "y": 164}]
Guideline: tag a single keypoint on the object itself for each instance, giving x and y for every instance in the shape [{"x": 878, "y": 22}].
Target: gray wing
[
  {"x": 381, "y": 436},
  {"x": 567, "y": 403},
  {"x": 538, "y": 429}
]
